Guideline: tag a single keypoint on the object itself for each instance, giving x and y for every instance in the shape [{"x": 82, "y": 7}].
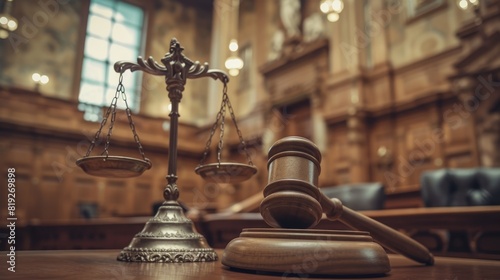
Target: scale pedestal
[
  {"x": 168, "y": 237},
  {"x": 307, "y": 251}
]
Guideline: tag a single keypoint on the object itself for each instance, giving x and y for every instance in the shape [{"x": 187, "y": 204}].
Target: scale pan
[
  {"x": 113, "y": 166},
  {"x": 226, "y": 172}
]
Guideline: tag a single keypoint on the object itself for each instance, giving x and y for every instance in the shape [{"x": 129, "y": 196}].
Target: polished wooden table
[
  {"x": 101, "y": 264},
  {"x": 219, "y": 229}
]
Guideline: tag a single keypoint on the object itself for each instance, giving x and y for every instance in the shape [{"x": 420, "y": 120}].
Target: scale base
[
  {"x": 307, "y": 252},
  {"x": 168, "y": 237}
]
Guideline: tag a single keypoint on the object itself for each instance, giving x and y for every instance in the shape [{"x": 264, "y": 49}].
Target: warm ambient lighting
[
  {"x": 332, "y": 9},
  {"x": 233, "y": 45},
  {"x": 40, "y": 79},
  {"x": 234, "y": 63},
  {"x": 7, "y": 22},
  {"x": 465, "y": 4}
]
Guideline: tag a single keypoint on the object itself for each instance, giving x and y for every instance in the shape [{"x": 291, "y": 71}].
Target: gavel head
[{"x": 291, "y": 196}]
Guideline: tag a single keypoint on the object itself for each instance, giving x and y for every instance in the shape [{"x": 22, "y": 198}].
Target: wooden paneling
[
  {"x": 43, "y": 149},
  {"x": 407, "y": 114},
  {"x": 142, "y": 195},
  {"x": 428, "y": 76},
  {"x": 381, "y": 148},
  {"x": 337, "y": 167},
  {"x": 338, "y": 101},
  {"x": 415, "y": 146},
  {"x": 115, "y": 197},
  {"x": 49, "y": 192},
  {"x": 26, "y": 196},
  {"x": 295, "y": 73},
  {"x": 459, "y": 136},
  {"x": 377, "y": 92},
  {"x": 86, "y": 189}
]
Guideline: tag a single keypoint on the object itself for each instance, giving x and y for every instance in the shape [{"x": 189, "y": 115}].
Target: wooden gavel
[{"x": 292, "y": 200}]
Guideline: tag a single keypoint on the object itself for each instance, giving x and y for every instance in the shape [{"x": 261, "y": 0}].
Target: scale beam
[
  {"x": 175, "y": 63},
  {"x": 176, "y": 68}
]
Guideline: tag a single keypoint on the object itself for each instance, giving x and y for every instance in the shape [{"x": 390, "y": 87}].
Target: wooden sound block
[{"x": 306, "y": 251}]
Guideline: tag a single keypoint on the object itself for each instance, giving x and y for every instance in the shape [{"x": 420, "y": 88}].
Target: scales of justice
[{"x": 292, "y": 202}]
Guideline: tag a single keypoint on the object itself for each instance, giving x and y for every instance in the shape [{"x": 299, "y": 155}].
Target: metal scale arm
[{"x": 176, "y": 68}]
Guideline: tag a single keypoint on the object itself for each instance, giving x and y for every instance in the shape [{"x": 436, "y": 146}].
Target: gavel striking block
[{"x": 293, "y": 203}]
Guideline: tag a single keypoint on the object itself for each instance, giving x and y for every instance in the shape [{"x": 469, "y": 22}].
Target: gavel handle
[{"x": 386, "y": 236}]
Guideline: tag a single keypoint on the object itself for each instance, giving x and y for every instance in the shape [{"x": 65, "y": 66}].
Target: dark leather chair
[
  {"x": 458, "y": 187},
  {"x": 461, "y": 187},
  {"x": 88, "y": 210},
  {"x": 358, "y": 196}
]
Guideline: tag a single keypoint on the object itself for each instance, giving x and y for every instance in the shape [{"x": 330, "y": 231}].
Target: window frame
[{"x": 146, "y": 6}]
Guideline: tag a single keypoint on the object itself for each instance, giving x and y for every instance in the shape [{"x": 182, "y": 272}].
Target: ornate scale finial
[{"x": 171, "y": 192}]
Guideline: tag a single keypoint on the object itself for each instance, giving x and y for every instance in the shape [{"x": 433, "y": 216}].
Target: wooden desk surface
[{"x": 102, "y": 264}]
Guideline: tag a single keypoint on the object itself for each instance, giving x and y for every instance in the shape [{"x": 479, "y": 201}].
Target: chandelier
[
  {"x": 332, "y": 9},
  {"x": 233, "y": 63},
  {"x": 7, "y": 22},
  {"x": 465, "y": 4}
]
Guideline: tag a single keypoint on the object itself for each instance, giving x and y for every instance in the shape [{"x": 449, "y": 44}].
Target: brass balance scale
[
  {"x": 169, "y": 236},
  {"x": 292, "y": 200}
]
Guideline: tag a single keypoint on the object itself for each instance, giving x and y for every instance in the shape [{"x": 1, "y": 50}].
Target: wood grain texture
[
  {"x": 102, "y": 265},
  {"x": 291, "y": 200},
  {"x": 389, "y": 237},
  {"x": 322, "y": 252}
]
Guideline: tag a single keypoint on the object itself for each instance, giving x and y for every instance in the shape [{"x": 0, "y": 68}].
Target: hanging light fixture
[
  {"x": 465, "y": 4},
  {"x": 40, "y": 79},
  {"x": 234, "y": 63},
  {"x": 7, "y": 22},
  {"x": 332, "y": 9}
]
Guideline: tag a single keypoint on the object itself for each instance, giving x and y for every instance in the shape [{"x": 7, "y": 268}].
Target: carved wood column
[
  {"x": 477, "y": 81},
  {"x": 358, "y": 146},
  {"x": 218, "y": 52},
  {"x": 319, "y": 129}
]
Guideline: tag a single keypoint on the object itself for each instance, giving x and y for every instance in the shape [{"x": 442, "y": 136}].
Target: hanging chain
[
  {"x": 120, "y": 90},
  {"x": 220, "y": 116},
  {"x": 98, "y": 133},
  {"x": 130, "y": 121},
  {"x": 212, "y": 132},
  {"x": 221, "y": 137},
  {"x": 242, "y": 142},
  {"x": 111, "y": 110},
  {"x": 113, "y": 117}
]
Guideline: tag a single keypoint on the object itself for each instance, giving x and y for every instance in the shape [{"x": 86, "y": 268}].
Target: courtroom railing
[{"x": 480, "y": 227}]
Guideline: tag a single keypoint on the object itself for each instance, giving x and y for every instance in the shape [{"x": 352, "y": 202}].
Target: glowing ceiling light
[
  {"x": 234, "y": 64},
  {"x": 233, "y": 45},
  {"x": 332, "y": 9},
  {"x": 465, "y": 4},
  {"x": 7, "y": 22},
  {"x": 40, "y": 79}
]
